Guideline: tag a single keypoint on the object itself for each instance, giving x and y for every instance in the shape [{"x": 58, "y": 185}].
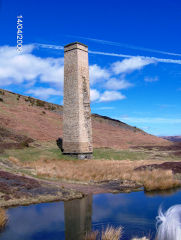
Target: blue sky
[{"x": 134, "y": 56}]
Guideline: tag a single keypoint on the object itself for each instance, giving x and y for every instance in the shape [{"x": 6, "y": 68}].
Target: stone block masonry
[{"x": 77, "y": 128}]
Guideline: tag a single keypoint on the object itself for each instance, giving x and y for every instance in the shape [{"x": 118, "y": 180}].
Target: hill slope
[
  {"x": 173, "y": 138},
  {"x": 39, "y": 120}
]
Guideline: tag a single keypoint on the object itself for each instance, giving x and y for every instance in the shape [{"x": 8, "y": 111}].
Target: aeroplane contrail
[
  {"x": 152, "y": 59},
  {"x": 128, "y": 46}
]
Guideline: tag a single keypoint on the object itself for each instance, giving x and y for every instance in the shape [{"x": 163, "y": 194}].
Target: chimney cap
[{"x": 74, "y": 43}]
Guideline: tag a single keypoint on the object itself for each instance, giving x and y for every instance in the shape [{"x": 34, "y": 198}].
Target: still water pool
[{"x": 134, "y": 211}]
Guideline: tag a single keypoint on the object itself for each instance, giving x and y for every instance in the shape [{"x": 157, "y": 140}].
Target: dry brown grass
[
  {"x": 99, "y": 170},
  {"x": 14, "y": 160},
  {"x": 3, "y": 218},
  {"x": 109, "y": 233},
  {"x": 112, "y": 233},
  {"x": 159, "y": 180}
]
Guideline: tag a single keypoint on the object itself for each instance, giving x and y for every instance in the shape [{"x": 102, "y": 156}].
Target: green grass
[
  {"x": 104, "y": 153},
  {"x": 45, "y": 150},
  {"x": 49, "y": 150}
]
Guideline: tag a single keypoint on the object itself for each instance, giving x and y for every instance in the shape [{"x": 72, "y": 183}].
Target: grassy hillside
[{"x": 40, "y": 120}]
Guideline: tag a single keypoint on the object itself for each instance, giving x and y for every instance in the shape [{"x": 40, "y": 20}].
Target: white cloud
[
  {"x": 116, "y": 84},
  {"x": 97, "y": 74},
  {"x": 105, "y": 96},
  {"x": 29, "y": 70},
  {"x": 94, "y": 95},
  {"x": 129, "y": 65},
  {"x": 111, "y": 96},
  {"x": 44, "y": 93},
  {"x": 151, "y": 79},
  {"x": 25, "y": 68}
]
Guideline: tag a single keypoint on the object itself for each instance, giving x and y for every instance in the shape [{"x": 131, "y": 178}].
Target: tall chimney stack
[{"x": 77, "y": 128}]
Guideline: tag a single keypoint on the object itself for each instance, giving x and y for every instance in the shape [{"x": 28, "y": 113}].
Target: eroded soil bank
[{"x": 20, "y": 190}]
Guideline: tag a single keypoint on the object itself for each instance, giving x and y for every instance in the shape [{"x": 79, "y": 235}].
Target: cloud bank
[
  {"x": 43, "y": 77},
  {"x": 27, "y": 68}
]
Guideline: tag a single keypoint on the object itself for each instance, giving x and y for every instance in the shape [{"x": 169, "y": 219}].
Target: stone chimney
[{"x": 77, "y": 128}]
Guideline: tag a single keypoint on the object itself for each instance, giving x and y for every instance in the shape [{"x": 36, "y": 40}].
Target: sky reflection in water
[{"x": 135, "y": 211}]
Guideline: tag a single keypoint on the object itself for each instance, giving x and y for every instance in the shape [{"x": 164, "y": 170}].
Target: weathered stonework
[{"x": 77, "y": 128}]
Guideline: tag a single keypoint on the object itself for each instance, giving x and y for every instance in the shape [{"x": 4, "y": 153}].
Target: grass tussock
[
  {"x": 112, "y": 233},
  {"x": 159, "y": 180},
  {"x": 3, "y": 218},
  {"x": 109, "y": 233}
]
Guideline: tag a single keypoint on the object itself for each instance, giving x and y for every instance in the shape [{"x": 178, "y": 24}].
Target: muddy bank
[
  {"x": 22, "y": 190},
  {"x": 113, "y": 186}
]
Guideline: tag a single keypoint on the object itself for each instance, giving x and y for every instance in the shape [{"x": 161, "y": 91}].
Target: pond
[{"x": 135, "y": 212}]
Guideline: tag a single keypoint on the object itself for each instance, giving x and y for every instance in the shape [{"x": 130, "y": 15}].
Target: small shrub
[
  {"x": 43, "y": 112},
  {"x": 18, "y": 97},
  {"x": 1, "y": 100},
  {"x": 51, "y": 107},
  {"x": 25, "y": 143},
  {"x": 135, "y": 129},
  {"x": 31, "y": 100},
  {"x": 40, "y": 103}
]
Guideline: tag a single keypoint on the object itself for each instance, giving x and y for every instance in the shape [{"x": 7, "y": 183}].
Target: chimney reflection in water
[{"x": 78, "y": 218}]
